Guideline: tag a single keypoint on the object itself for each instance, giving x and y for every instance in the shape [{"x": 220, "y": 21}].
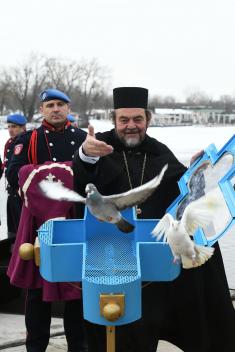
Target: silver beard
[{"x": 130, "y": 141}]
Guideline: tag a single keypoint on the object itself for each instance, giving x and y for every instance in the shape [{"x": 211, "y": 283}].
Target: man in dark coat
[
  {"x": 16, "y": 125},
  {"x": 1, "y": 172},
  {"x": 54, "y": 141},
  {"x": 195, "y": 311},
  {"x": 1, "y": 167}
]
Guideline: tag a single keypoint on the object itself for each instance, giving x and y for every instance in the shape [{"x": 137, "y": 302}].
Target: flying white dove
[
  {"x": 105, "y": 208},
  {"x": 199, "y": 213}
]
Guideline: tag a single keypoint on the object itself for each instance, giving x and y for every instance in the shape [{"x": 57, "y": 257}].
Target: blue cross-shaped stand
[
  {"x": 108, "y": 261},
  {"x": 105, "y": 260}
]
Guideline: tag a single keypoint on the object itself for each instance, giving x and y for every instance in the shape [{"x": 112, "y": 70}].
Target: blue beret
[
  {"x": 17, "y": 119},
  {"x": 71, "y": 118},
  {"x": 51, "y": 94}
]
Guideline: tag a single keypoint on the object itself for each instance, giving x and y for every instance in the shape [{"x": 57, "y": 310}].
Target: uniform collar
[{"x": 51, "y": 128}]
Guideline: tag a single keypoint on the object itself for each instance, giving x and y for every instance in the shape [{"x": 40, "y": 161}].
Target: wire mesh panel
[
  {"x": 111, "y": 267},
  {"x": 110, "y": 259},
  {"x": 46, "y": 232}
]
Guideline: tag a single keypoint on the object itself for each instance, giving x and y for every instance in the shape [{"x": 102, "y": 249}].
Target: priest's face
[{"x": 131, "y": 125}]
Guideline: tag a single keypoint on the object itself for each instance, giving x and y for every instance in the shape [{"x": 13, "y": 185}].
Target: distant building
[
  {"x": 191, "y": 116},
  {"x": 214, "y": 117},
  {"x": 172, "y": 117},
  {"x": 99, "y": 114}
]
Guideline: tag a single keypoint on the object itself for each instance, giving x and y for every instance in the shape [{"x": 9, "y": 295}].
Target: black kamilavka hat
[{"x": 130, "y": 97}]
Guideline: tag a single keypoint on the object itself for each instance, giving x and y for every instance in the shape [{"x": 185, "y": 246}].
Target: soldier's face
[
  {"x": 15, "y": 130},
  {"x": 55, "y": 112},
  {"x": 131, "y": 125}
]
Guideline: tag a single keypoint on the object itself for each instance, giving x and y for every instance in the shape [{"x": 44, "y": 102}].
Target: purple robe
[{"x": 35, "y": 211}]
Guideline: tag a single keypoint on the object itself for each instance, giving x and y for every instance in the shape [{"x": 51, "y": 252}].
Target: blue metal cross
[{"x": 105, "y": 260}]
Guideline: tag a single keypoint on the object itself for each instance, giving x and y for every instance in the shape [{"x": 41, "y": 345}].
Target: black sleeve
[
  {"x": 1, "y": 169},
  {"x": 19, "y": 158},
  {"x": 83, "y": 173},
  {"x": 102, "y": 173}
]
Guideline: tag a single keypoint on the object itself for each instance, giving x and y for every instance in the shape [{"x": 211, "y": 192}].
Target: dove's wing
[
  {"x": 56, "y": 190},
  {"x": 203, "y": 211},
  {"x": 136, "y": 195},
  {"x": 160, "y": 230}
]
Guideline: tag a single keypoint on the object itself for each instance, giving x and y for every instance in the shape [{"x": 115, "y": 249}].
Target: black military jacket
[
  {"x": 50, "y": 145},
  {"x": 8, "y": 151}
]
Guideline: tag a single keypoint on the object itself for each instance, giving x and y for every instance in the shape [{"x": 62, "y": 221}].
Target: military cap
[
  {"x": 17, "y": 119},
  {"x": 71, "y": 118},
  {"x": 130, "y": 97},
  {"x": 51, "y": 94}
]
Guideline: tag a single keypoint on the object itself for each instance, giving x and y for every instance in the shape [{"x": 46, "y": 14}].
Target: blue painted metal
[
  {"x": 105, "y": 259},
  {"x": 225, "y": 183},
  {"x": 110, "y": 262}
]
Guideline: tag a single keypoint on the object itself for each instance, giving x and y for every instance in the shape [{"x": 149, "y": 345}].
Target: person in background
[
  {"x": 72, "y": 120},
  {"x": 1, "y": 172},
  {"x": 194, "y": 312},
  {"x": 16, "y": 124},
  {"x": 1, "y": 167},
  {"x": 56, "y": 140}
]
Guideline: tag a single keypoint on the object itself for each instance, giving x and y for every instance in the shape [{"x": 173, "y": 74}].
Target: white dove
[
  {"x": 104, "y": 208},
  {"x": 199, "y": 213}
]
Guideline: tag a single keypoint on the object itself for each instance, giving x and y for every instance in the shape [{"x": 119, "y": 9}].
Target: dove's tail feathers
[
  {"x": 125, "y": 226},
  {"x": 187, "y": 263},
  {"x": 202, "y": 255}
]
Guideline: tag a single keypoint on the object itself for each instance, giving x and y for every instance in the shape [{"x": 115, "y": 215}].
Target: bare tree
[
  {"x": 62, "y": 74},
  {"x": 4, "y": 95},
  {"x": 91, "y": 85},
  {"x": 155, "y": 102},
  {"x": 85, "y": 82},
  {"x": 227, "y": 102},
  {"x": 25, "y": 82},
  {"x": 195, "y": 96}
]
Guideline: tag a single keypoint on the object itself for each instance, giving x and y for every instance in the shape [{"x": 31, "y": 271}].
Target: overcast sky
[{"x": 168, "y": 46}]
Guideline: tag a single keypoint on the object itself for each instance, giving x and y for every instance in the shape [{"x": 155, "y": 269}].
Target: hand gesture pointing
[{"x": 93, "y": 147}]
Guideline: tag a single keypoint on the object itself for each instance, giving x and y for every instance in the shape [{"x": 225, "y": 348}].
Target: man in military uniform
[
  {"x": 16, "y": 124},
  {"x": 55, "y": 140},
  {"x": 72, "y": 119}
]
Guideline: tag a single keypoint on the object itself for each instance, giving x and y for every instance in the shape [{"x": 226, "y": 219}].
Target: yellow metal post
[
  {"x": 112, "y": 307},
  {"x": 110, "y": 338}
]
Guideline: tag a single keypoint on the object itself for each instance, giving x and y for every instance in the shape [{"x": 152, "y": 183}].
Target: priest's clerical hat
[{"x": 130, "y": 97}]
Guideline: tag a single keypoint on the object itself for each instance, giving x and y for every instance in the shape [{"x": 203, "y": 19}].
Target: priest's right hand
[{"x": 93, "y": 147}]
